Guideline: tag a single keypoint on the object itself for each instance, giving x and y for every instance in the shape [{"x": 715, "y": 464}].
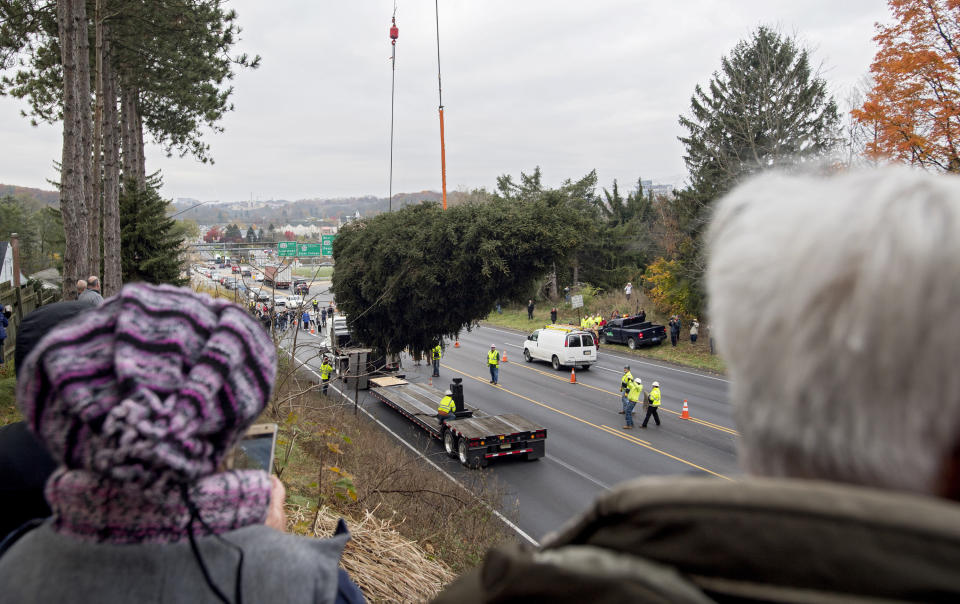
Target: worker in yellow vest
[
  {"x": 448, "y": 407},
  {"x": 654, "y": 399},
  {"x": 624, "y": 388},
  {"x": 493, "y": 361},
  {"x": 325, "y": 370},
  {"x": 633, "y": 397},
  {"x": 437, "y": 352}
]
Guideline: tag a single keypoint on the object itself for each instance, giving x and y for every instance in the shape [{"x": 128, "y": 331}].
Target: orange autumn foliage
[{"x": 914, "y": 106}]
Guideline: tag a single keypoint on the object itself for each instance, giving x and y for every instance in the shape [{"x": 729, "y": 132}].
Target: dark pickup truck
[{"x": 633, "y": 332}]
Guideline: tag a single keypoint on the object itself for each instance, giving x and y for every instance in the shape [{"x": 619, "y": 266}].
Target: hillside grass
[
  {"x": 685, "y": 353},
  {"x": 322, "y": 273},
  {"x": 8, "y": 389}
]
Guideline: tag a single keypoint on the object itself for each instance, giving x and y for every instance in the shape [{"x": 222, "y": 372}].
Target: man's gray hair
[{"x": 836, "y": 304}]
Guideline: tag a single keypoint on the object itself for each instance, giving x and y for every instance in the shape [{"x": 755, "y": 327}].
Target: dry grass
[
  {"x": 334, "y": 462},
  {"x": 387, "y": 566}
]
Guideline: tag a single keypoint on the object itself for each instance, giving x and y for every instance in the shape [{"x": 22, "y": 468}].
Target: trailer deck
[{"x": 473, "y": 436}]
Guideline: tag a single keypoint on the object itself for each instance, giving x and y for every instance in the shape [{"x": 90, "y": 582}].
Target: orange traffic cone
[
  {"x": 686, "y": 411},
  {"x": 504, "y": 359},
  {"x": 311, "y": 330},
  {"x": 430, "y": 383},
  {"x": 456, "y": 344},
  {"x": 573, "y": 376}
]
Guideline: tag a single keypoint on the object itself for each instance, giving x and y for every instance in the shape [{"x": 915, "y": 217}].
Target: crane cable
[
  {"x": 394, "y": 34},
  {"x": 443, "y": 152}
]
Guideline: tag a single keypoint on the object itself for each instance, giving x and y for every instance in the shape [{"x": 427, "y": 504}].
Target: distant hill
[
  {"x": 50, "y": 198},
  {"x": 275, "y": 211}
]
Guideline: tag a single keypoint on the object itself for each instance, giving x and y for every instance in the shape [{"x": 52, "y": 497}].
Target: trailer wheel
[
  {"x": 556, "y": 363},
  {"x": 449, "y": 443},
  {"x": 632, "y": 343},
  {"x": 526, "y": 355},
  {"x": 469, "y": 458}
]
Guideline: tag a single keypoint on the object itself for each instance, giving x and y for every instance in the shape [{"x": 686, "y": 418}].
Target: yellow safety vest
[
  {"x": 493, "y": 358},
  {"x": 325, "y": 370},
  {"x": 655, "y": 397},
  {"x": 447, "y": 405},
  {"x": 633, "y": 394},
  {"x": 437, "y": 351},
  {"x": 625, "y": 381}
]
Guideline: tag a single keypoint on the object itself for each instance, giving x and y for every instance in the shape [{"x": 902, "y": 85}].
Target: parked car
[
  {"x": 246, "y": 273},
  {"x": 561, "y": 346},
  {"x": 279, "y": 300},
  {"x": 633, "y": 332}
]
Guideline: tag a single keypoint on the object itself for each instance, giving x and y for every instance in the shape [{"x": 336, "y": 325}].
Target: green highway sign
[
  {"x": 310, "y": 250},
  {"x": 287, "y": 248},
  {"x": 327, "y": 244}
]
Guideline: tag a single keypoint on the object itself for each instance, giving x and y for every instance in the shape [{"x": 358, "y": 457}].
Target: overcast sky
[{"x": 569, "y": 86}]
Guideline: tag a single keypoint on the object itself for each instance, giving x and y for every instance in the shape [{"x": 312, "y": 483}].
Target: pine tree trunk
[
  {"x": 126, "y": 141},
  {"x": 553, "y": 281},
  {"x": 576, "y": 272},
  {"x": 72, "y": 202},
  {"x": 112, "y": 272},
  {"x": 141, "y": 167},
  {"x": 96, "y": 208},
  {"x": 85, "y": 142}
]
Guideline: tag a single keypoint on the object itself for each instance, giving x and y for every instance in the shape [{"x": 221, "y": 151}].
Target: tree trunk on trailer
[{"x": 72, "y": 201}]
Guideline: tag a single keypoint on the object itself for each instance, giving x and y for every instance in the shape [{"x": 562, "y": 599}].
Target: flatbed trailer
[{"x": 474, "y": 437}]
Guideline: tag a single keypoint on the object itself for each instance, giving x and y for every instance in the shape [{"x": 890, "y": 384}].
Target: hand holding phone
[{"x": 256, "y": 450}]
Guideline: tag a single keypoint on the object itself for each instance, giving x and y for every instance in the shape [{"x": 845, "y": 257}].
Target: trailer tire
[
  {"x": 470, "y": 459},
  {"x": 556, "y": 363},
  {"x": 449, "y": 442}
]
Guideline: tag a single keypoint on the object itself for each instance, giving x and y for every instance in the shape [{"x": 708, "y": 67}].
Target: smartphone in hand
[{"x": 256, "y": 450}]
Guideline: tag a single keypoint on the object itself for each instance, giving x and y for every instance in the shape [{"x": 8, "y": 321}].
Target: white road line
[
  {"x": 580, "y": 473},
  {"x": 505, "y": 520},
  {"x": 629, "y": 360}
]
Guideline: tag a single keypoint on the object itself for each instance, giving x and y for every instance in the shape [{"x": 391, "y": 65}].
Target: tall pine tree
[{"x": 150, "y": 242}]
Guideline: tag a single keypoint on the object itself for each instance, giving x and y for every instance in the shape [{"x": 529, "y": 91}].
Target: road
[{"x": 587, "y": 450}]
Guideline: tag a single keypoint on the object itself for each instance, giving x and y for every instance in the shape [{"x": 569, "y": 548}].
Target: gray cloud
[{"x": 570, "y": 86}]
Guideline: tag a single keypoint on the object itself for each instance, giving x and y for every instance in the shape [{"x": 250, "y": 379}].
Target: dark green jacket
[{"x": 750, "y": 540}]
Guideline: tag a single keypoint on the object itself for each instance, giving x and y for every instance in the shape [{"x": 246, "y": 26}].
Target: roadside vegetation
[{"x": 685, "y": 353}]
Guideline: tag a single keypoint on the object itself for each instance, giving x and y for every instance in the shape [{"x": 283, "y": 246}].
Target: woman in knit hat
[{"x": 138, "y": 401}]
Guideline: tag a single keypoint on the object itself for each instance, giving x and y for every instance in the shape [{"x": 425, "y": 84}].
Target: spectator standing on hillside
[
  {"x": 91, "y": 294},
  {"x": 81, "y": 287},
  {"x": 628, "y": 290},
  {"x": 530, "y": 310},
  {"x": 674, "y": 330},
  {"x": 642, "y": 316},
  {"x": 553, "y": 315},
  {"x": 694, "y": 331}
]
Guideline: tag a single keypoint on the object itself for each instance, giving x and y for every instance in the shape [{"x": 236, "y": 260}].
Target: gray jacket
[
  {"x": 698, "y": 540},
  {"x": 91, "y": 297},
  {"x": 45, "y": 566}
]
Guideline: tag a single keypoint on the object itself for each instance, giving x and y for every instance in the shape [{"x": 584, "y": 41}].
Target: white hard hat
[
  {"x": 449, "y": 392},
  {"x": 493, "y": 346},
  {"x": 656, "y": 384}
]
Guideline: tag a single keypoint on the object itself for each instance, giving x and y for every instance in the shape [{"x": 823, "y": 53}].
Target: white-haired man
[{"x": 848, "y": 420}]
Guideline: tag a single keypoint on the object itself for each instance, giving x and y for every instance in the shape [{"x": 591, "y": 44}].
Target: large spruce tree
[{"x": 151, "y": 243}]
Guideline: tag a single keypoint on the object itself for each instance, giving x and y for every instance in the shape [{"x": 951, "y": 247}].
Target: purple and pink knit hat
[{"x": 155, "y": 385}]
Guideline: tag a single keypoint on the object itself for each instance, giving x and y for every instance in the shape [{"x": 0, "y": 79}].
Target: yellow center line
[
  {"x": 606, "y": 429},
  {"x": 695, "y": 420}
]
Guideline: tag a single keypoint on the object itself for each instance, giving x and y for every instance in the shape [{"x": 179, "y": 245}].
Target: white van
[{"x": 561, "y": 347}]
